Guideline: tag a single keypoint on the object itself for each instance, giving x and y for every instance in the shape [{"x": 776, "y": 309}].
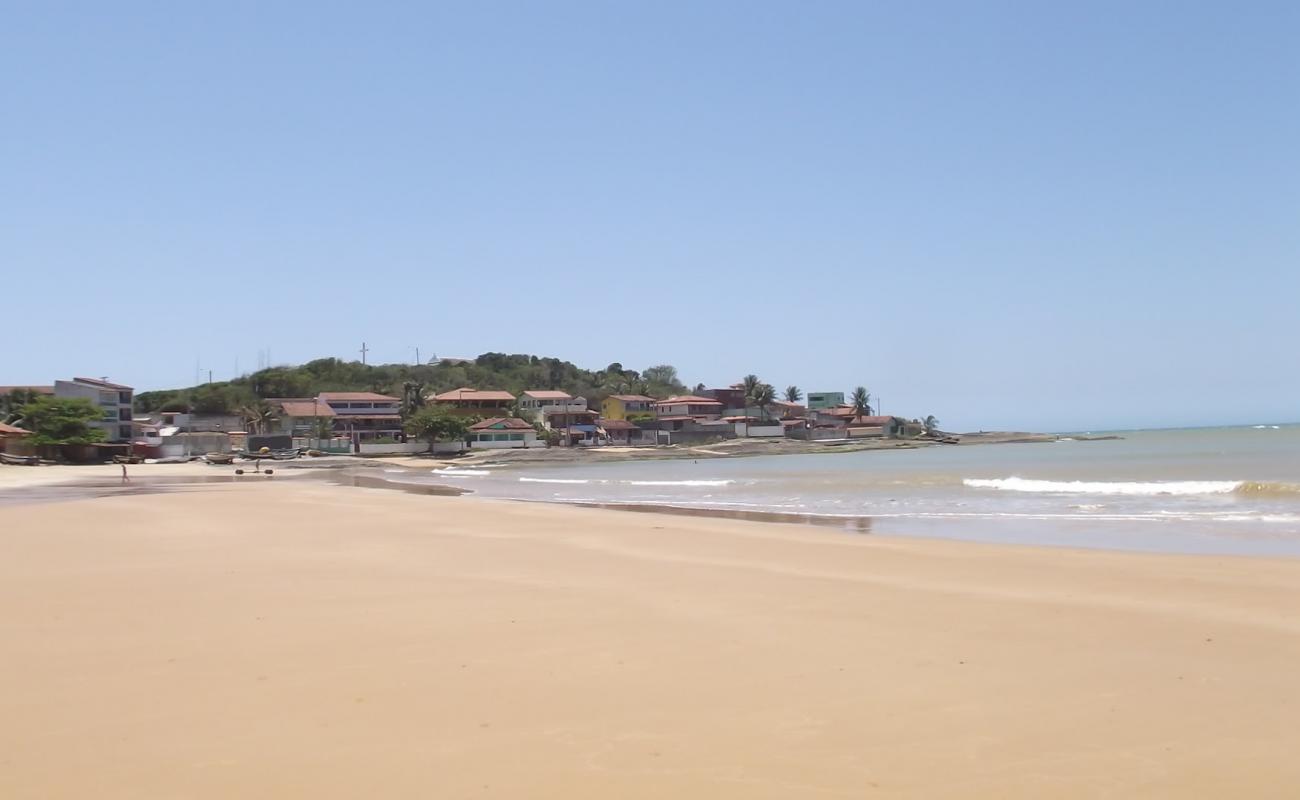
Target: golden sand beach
[{"x": 294, "y": 639}]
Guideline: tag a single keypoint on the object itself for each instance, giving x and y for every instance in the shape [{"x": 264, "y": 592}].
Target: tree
[
  {"x": 792, "y": 394},
  {"x": 663, "y": 374},
  {"x": 412, "y": 397},
  {"x": 258, "y": 416},
  {"x": 931, "y": 425},
  {"x": 763, "y": 396},
  {"x": 437, "y": 424},
  {"x": 11, "y": 405},
  {"x": 323, "y": 427},
  {"x": 62, "y": 420},
  {"x": 861, "y": 402}
]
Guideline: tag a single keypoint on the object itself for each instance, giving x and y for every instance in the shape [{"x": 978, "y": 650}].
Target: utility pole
[
  {"x": 364, "y": 350},
  {"x": 417, "y": 356}
]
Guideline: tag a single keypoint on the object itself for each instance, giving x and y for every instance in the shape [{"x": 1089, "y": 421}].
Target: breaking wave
[
  {"x": 678, "y": 483},
  {"x": 1104, "y": 487},
  {"x": 1140, "y": 488}
]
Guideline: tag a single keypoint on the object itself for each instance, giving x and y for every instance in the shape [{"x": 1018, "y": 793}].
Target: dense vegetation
[
  {"x": 513, "y": 373},
  {"x": 62, "y": 420}
]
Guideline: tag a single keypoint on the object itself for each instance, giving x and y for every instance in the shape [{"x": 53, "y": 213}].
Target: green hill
[{"x": 513, "y": 373}]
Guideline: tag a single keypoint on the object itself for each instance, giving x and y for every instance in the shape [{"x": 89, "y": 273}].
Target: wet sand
[{"x": 293, "y": 638}]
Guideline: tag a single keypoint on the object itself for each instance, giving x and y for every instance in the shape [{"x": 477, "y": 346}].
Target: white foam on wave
[
  {"x": 466, "y": 473},
  {"x": 1014, "y": 484},
  {"x": 555, "y": 480},
  {"x": 676, "y": 483}
]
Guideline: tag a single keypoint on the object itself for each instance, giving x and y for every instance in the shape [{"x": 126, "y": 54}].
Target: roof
[
  {"x": 466, "y": 393},
  {"x": 11, "y": 430},
  {"x": 501, "y": 423},
  {"x": 103, "y": 384},
  {"x": 688, "y": 398},
  {"x": 547, "y": 394},
  {"x": 345, "y": 396},
  {"x": 37, "y": 389},
  {"x": 872, "y": 420},
  {"x": 370, "y": 416},
  {"x": 306, "y": 408},
  {"x": 676, "y": 419},
  {"x": 616, "y": 425},
  {"x": 632, "y": 398}
]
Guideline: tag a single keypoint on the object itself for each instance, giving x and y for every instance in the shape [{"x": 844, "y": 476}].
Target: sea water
[{"x": 1210, "y": 490}]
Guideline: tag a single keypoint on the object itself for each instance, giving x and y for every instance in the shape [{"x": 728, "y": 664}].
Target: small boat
[
  {"x": 220, "y": 458},
  {"x": 274, "y": 455},
  {"x": 22, "y": 461}
]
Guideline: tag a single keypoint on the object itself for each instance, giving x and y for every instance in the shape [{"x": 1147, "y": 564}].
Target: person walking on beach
[{"x": 125, "y": 479}]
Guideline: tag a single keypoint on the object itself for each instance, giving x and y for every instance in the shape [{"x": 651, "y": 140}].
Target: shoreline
[{"x": 295, "y": 637}]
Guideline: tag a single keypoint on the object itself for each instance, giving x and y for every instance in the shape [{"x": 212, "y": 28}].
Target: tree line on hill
[{"x": 513, "y": 373}]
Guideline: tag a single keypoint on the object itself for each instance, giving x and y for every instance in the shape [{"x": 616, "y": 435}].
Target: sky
[{"x": 1011, "y": 215}]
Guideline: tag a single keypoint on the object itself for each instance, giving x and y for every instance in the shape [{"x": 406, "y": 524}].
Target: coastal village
[{"x": 116, "y": 425}]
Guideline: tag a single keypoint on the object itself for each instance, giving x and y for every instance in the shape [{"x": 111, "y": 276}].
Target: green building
[{"x": 818, "y": 400}]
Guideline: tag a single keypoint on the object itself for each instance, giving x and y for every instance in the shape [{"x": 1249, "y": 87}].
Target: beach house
[
  {"x": 11, "y": 432},
  {"x": 502, "y": 433},
  {"x": 621, "y": 406},
  {"x": 469, "y": 401},
  {"x": 676, "y": 413},
  {"x": 542, "y": 403},
  {"x": 113, "y": 399}
]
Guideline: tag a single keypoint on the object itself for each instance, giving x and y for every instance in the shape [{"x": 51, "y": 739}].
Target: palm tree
[
  {"x": 762, "y": 397},
  {"x": 931, "y": 424},
  {"x": 861, "y": 402},
  {"x": 792, "y": 394},
  {"x": 258, "y": 416}
]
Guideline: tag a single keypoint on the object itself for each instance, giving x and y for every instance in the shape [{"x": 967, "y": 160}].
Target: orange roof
[
  {"x": 306, "y": 408},
  {"x": 501, "y": 423},
  {"x": 346, "y": 396},
  {"x": 632, "y": 398},
  {"x": 616, "y": 425},
  {"x": 102, "y": 384},
  {"x": 466, "y": 393},
  {"x": 11, "y": 430},
  {"x": 688, "y": 398},
  {"x": 547, "y": 394}
]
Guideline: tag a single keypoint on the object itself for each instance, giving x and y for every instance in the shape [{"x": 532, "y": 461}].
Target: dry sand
[{"x": 301, "y": 640}]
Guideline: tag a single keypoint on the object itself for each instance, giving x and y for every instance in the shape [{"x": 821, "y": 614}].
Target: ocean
[{"x": 1207, "y": 490}]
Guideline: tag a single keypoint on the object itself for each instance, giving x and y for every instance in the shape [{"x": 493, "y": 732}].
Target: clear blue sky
[{"x": 1006, "y": 214}]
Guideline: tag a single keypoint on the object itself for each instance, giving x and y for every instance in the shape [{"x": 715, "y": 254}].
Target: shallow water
[{"x": 1222, "y": 490}]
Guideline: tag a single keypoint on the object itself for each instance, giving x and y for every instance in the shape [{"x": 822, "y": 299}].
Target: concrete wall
[
  {"x": 759, "y": 431},
  {"x": 818, "y": 434},
  {"x": 508, "y": 445},
  {"x": 403, "y": 448}
]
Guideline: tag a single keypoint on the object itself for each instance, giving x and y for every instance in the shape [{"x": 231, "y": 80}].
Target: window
[
  {"x": 124, "y": 414},
  {"x": 500, "y": 437},
  {"x": 124, "y": 398},
  {"x": 516, "y": 437},
  {"x": 124, "y": 432}
]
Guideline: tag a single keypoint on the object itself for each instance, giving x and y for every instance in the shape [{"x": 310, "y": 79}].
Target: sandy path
[{"x": 306, "y": 640}]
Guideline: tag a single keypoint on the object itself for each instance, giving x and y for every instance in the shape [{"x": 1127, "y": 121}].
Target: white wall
[
  {"x": 393, "y": 449},
  {"x": 754, "y": 431}
]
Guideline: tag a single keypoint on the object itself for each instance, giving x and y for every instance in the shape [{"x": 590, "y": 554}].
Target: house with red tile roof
[
  {"x": 500, "y": 433},
  {"x": 466, "y": 400},
  {"x": 545, "y": 402}
]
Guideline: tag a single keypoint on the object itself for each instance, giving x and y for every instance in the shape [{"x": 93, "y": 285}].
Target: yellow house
[{"x": 618, "y": 406}]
